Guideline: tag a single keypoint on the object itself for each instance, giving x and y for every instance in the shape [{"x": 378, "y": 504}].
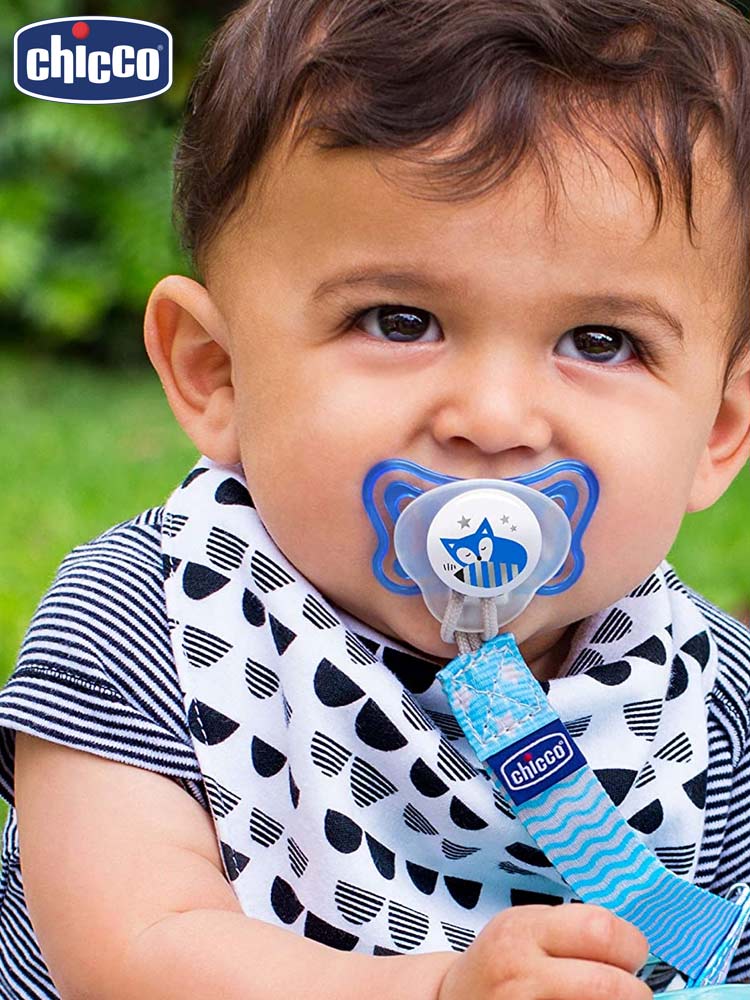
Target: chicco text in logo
[
  {"x": 537, "y": 761},
  {"x": 92, "y": 60}
]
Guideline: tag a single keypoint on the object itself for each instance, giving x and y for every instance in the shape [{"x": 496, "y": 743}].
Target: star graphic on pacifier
[
  {"x": 464, "y": 522},
  {"x": 505, "y": 519}
]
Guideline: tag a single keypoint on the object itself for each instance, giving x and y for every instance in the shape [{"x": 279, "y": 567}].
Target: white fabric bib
[{"x": 348, "y": 805}]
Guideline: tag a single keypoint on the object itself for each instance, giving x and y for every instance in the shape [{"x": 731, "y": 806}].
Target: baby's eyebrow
[
  {"x": 645, "y": 306},
  {"x": 400, "y": 281}
]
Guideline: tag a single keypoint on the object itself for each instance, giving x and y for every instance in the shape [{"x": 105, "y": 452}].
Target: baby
[{"x": 476, "y": 236}]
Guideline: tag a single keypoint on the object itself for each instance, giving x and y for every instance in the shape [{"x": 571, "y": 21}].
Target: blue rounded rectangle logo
[
  {"x": 533, "y": 764},
  {"x": 92, "y": 60}
]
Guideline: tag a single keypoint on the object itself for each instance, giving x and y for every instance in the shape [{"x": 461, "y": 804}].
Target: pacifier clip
[{"x": 480, "y": 550}]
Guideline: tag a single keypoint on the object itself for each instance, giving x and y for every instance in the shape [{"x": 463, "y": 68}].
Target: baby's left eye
[{"x": 600, "y": 344}]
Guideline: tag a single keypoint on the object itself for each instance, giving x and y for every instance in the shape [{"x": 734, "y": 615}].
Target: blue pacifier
[
  {"x": 487, "y": 544},
  {"x": 478, "y": 550}
]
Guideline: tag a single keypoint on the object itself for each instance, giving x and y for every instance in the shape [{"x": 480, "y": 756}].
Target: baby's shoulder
[
  {"x": 134, "y": 543},
  {"x": 106, "y": 600}
]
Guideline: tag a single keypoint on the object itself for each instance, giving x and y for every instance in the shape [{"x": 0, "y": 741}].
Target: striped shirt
[{"x": 95, "y": 671}]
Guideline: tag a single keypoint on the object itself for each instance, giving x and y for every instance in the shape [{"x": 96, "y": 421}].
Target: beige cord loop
[{"x": 467, "y": 642}]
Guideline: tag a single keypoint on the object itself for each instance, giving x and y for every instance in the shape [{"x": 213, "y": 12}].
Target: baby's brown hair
[{"x": 510, "y": 76}]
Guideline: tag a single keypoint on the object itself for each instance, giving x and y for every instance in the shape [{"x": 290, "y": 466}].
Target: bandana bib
[{"x": 348, "y": 805}]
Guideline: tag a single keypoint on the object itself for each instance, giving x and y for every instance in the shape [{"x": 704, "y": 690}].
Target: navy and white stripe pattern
[{"x": 98, "y": 649}]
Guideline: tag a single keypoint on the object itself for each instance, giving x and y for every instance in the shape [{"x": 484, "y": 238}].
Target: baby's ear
[
  {"x": 187, "y": 341},
  {"x": 728, "y": 447}
]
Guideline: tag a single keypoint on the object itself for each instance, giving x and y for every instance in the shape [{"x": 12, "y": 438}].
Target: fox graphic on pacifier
[{"x": 485, "y": 558}]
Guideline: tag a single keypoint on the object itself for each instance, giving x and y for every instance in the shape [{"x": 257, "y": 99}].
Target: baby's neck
[{"x": 546, "y": 652}]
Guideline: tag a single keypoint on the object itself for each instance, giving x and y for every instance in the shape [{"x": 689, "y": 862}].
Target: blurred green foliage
[{"x": 85, "y": 193}]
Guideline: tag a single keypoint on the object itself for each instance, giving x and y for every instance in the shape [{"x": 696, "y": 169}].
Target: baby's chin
[{"x": 409, "y": 622}]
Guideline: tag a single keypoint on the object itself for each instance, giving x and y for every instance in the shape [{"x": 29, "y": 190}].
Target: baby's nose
[{"x": 495, "y": 407}]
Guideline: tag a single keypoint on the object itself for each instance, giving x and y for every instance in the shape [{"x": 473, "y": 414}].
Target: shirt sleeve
[
  {"x": 95, "y": 670},
  {"x": 735, "y": 857}
]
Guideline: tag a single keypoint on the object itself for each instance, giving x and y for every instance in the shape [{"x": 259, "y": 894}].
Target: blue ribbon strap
[{"x": 536, "y": 763}]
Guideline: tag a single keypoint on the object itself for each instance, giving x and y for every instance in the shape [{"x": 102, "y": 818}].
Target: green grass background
[{"x": 84, "y": 448}]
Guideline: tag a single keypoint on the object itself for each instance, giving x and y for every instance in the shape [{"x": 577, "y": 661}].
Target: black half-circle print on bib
[
  {"x": 426, "y": 781},
  {"x": 617, "y": 782},
  {"x": 677, "y": 859},
  {"x": 376, "y": 730},
  {"x": 202, "y": 648},
  {"x": 169, "y": 565},
  {"x": 383, "y": 857},
  {"x": 333, "y": 687},
  {"x": 611, "y": 674},
  {"x": 284, "y": 900},
  {"x": 464, "y": 817},
  {"x": 253, "y": 609},
  {"x": 455, "y": 852},
  {"x": 425, "y": 879},
  {"x": 208, "y": 725},
  {"x": 586, "y": 658},
  {"x": 232, "y": 493},
  {"x": 200, "y": 582},
  {"x": 342, "y": 833},
  {"x": 298, "y": 860},
  {"x": 577, "y": 727},
  {"x": 465, "y": 892},
  {"x": 415, "y": 674},
  {"x": 268, "y": 574},
  {"x": 192, "y": 476},
  {"x": 699, "y": 648},
  {"x": 649, "y": 818},
  {"x": 524, "y": 897},
  {"x": 695, "y": 789},
  {"x": 320, "y": 930},
  {"x": 529, "y": 855},
  {"x": 293, "y": 790},
  {"x": 282, "y": 636},
  {"x": 408, "y": 927},
  {"x": 652, "y": 650},
  {"x": 267, "y": 760},
  {"x": 320, "y": 616},
  {"x": 222, "y": 800},
  {"x": 234, "y": 862},
  {"x": 678, "y": 679}
]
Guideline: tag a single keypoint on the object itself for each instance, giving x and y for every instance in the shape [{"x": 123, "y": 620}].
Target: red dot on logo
[
  {"x": 527, "y": 756},
  {"x": 80, "y": 30}
]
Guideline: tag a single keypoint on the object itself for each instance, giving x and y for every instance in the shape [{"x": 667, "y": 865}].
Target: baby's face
[{"x": 478, "y": 339}]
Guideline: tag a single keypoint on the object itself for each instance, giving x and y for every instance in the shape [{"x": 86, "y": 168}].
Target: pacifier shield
[
  {"x": 482, "y": 538},
  {"x": 484, "y": 543}
]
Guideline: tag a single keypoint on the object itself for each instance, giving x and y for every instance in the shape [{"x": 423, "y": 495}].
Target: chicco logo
[
  {"x": 536, "y": 762},
  {"x": 92, "y": 60}
]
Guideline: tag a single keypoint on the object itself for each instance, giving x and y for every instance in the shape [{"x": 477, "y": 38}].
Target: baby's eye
[
  {"x": 600, "y": 344},
  {"x": 400, "y": 324}
]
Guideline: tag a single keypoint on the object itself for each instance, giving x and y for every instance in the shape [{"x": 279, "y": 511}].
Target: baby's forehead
[{"x": 325, "y": 203}]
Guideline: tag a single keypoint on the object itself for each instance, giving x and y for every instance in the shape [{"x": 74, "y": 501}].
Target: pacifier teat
[{"x": 479, "y": 550}]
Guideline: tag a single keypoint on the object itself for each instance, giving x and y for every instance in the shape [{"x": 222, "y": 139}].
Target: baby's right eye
[{"x": 400, "y": 324}]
